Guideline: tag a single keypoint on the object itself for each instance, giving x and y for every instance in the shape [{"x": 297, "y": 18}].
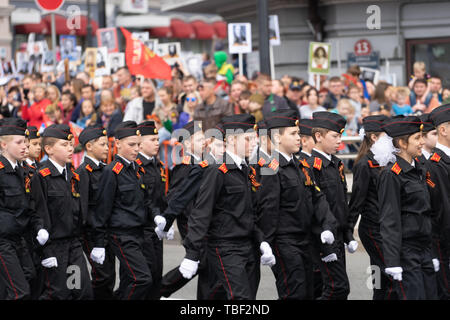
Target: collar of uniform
[
  {"x": 144, "y": 158},
  {"x": 327, "y": 156},
  {"x": 58, "y": 168},
  {"x": 13, "y": 164},
  {"x": 95, "y": 164},
  {"x": 426, "y": 154},
  {"x": 319, "y": 154},
  {"x": 284, "y": 159},
  {"x": 30, "y": 162},
  {"x": 263, "y": 153},
  {"x": 404, "y": 165},
  {"x": 445, "y": 149},
  {"x": 8, "y": 165},
  {"x": 306, "y": 153},
  {"x": 212, "y": 156},
  {"x": 125, "y": 161},
  {"x": 236, "y": 159},
  {"x": 95, "y": 161},
  {"x": 370, "y": 156},
  {"x": 196, "y": 158}
]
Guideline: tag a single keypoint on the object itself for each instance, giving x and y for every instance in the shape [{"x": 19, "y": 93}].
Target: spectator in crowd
[
  {"x": 35, "y": 113},
  {"x": 323, "y": 93},
  {"x": 213, "y": 108},
  {"x": 255, "y": 106},
  {"x": 189, "y": 85},
  {"x": 140, "y": 108},
  {"x": 53, "y": 115},
  {"x": 354, "y": 95},
  {"x": 305, "y": 88},
  {"x": 52, "y": 93},
  {"x": 110, "y": 114},
  {"x": 445, "y": 95},
  {"x": 124, "y": 84},
  {"x": 416, "y": 98},
  {"x": 68, "y": 104},
  {"x": 400, "y": 107},
  {"x": 235, "y": 91},
  {"x": 83, "y": 76},
  {"x": 436, "y": 88},
  {"x": 272, "y": 103},
  {"x": 244, "y": 101},
  {"x": 87, "y": 93},
  {"x": 336, "y": 92},
  {"x": 75, "y": 88},
  {"x": 312, "y": 97},
  {"x": 380, "y": 97},
  {"x": 107, "y": 83},
  {"x": 11, "y": 103},
  {"x": 167, "y": 110},
  {"x": 88, "y": 116},
  {"x": 191, "y": 102},
  {"x": 66, "y": 86},
  {"x": 294, "y": 95},
  {"x": 420, "y": 72},
  {"x": 27, "y": 85},
  {"x": 278, "y": 88}
]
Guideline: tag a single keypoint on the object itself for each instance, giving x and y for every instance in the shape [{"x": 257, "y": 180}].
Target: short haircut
[
  {"x": 72, "y": 97},
  {"x": 335, "y": 79},
  {"x": 124, "y": 68},
  {"x": 322, "y": 132},
  {"x": 263, "y": 77},
  {"x": 189, "y": 77},
  {"x": 279, "y": 130},
  {"x": 48, "y": 141},
  {"x": 245, "y": 95},
  {"x": 14, "y": 89},
  {"x": 6, "y": 138},
  {"x": 420, "y": 81},
  {"x": 88, "y": 86},
  {"x": 211, "y": 81},
  {"x": 402, "y": 91}
]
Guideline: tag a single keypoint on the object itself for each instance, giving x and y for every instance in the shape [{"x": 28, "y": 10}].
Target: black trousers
[
  {"x": 443, "y": 286},
  {"x": 236, "y": 266},
  {"x": 103, "y": 275},
  {"x": 336, "y": 285},
  {"x": 70, "y": 279},
  {"x": 16, "y": 269},
  {"x": 154, "y": 251},
  {"x": 135, "y": 274},
  {"x": 418, "y": 277},
  {"x": 293, "y": 269},
  {"x": 371, "y": 239}
]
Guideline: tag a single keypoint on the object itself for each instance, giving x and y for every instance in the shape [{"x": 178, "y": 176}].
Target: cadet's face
[
  {"x": 99, "y": 148},
  {"x": 330, "y": 142},
  {"x": 217, "y": 148},
  {"x": 415, "y": 144},
  {"x": 128, "y": 147},
  {"x": 61, "y": 151},
  {"x": 307, "y": 143},
  {"x": 15, "y": 148},
  {"x": 150, "y": 145},
  {"x": 430, "y": 139},
  {"x": 290, "y": 140},
  {"x": 34, "y": 149},
  {"x": 198, "y": 143},
  {"x": 245, "y": 143}
]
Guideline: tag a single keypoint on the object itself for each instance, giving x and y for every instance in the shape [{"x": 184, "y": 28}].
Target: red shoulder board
[
  {"x": 89, "y": 168},
  {"x": 317, "y": 163},
  {"x": 261, "y": 162},
  {"x": 45, "y": 172},
  {"x": 273, "y": 164},
  {"x": 186, "y": 160},
  {"x": 204, "y": 163},
  {"x": 1, "y": 165},
  {"x": 223, "y": 168},
  {"x": 139, "y": 162},
  {"x": 435, "y": 157},
  {"x": 304, "y": 163},
  {"x": 117, "y": 168},
  {"x": 396, "y": 168},
  {"x": 373, "y": 165}
]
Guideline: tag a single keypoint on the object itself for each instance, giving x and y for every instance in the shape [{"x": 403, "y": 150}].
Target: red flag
[{"x": 142, "y": 61}]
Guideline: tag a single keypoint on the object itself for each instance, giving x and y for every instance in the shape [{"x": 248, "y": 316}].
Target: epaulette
[
  {"x": 429, "y": 181},
  {"x": 373, "y": 165},
  {"x": 304, "y": 163},
  {"x": 317, "y": 163},
  {"x": 396, "y": 168},
  {"x": 261, "y": 162},
  {"x": 139, "y": 162},
  {"x": 204, "y": 163},
  {"x": 186, "y": 160},
  {"x": 223, "y": 168},
  {"x": 435, "y": 157},
  {"x": 117, "y": 168},
  {"x": 273, "y": 164},
  {"x": 1, "y": 165},
  {"x": 45, "y": 172},
  {"x": 89, "y": 168}
]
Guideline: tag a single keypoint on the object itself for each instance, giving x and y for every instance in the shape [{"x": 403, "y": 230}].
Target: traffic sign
[
  {"x": 362, "y": 48},
  {"x": 49, "y": 5}
]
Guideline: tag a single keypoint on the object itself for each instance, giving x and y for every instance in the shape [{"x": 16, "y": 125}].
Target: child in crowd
[
  {"x": 244, "y": 100},
  {"x": 256, "y": 102},
  {"x": 400, "y": 107},
  {"x": 88, "y": 115}
]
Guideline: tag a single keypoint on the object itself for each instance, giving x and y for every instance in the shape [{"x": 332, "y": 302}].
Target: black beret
[
  {"x": 374, "y": 123},
  {"x": 216, "y": 132},
  {"x": 91, "y": 133},
  {"x": 282, "y": 119},
  {"x": 400, "y": 126},
  {"x": 440, "y": 114},
  {"x": 261, "y": 128},
  {"x": 32, "y": 133},
  {"x": 426, "y": 121},
  {"x": 13, "y": 126},
  {"x": 329, "y": 120},
  {"x": 60, "y": 131},
  {"x": 147, "y": 128},
  {"x": 239, "y": 122},
  {"x": 126, "y": 129},
  {"x": 192, "y": 127},
  {"x": 306, "y": 126}
]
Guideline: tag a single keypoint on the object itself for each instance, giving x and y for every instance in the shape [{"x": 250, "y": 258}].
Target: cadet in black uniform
[
  {"x": 223, "y": 213},
  {"x": 17, "y": 214},
  {"x": 439, "y": 187},
  {"x": 364, "y": 202},
  {"x": 307, "y": 141},
  {"x": 430, "y": 138},
  {"x": 261, "y": 154},
  {"x": 56, "y": 192},
  {"x": 406, "y": 213},
  {"x": 328, "y": 173},
  {"x": 290, "y": 201},
  {"x": 121, "y": 214},
  {"x": 154, "y": 180},
  {"x": 34, "y": 150},
  {"x": 95, "y": 143}
]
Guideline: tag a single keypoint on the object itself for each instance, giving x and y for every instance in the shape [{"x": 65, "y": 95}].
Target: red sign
[
  {"x": 363, "y": 47},
  {"x": 49, "y": 5}
]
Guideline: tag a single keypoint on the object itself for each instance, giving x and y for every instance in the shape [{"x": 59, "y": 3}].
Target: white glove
[
  {"x": 330, "y": 258},
  {"x": 188, "y": 268},
  {"x": 161, "y": 234},
  {"x": 436, "y": 265},
  {"x": 170, "y": 234},
  {"x": 327, "y": 237},
  {"x": 160, "y": 222},
  {"x": 395, "y": 272},
  {"x": 267, "y": 257},
  {"x": 352, "y": 246},
  {"x": 42, "y": 236},
  {"x": 49, "y": 262},
  {"x": 98, "y": 255}
]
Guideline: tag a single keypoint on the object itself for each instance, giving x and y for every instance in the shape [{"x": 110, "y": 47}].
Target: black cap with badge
[
  {"x": 32, "y": 133},
  {"x": 282, "y": 119},
  {"x": 401, "y": 126},
  {"x": 91, "y": 133},
  {"x": 148, "y": 128},
  {"x": 329, "y": 120},
  {"x": 60, "y": 131},
  {"x": 440, "y": 115},
  {"x": 374, "y": 123},
  {"x": 126, "y": 129},
  {"x": 13, "y": 127},
  {"x": 306, "y": 126},
  {"x": 427, "y": 123}
]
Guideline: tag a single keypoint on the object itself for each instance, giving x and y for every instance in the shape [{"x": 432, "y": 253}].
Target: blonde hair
[
  {"x": 402, "y": 91},
  {"x": 419, "y": 65},
  {"x": 344, "y": 102},
  {"x": 38, "y": 86},
  {"x": 185, "y": 106},
  {"x": 58, "y": 93}
]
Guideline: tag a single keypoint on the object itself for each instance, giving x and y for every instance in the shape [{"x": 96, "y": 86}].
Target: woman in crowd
[
  {"x": 34, "y": 114},
  {"x": 167, "y": 110},
  {"x": 110, "y": 114},
  {"x": 312, "y": 98},
  {"x": 191, "y": 102}
]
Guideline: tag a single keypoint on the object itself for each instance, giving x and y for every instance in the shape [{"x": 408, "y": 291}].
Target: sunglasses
[{"x": 193, "y": 99}]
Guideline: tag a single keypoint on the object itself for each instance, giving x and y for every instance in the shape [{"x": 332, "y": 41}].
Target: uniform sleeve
[
  {"x": 322, "y": 212},
  {"x": 269, "y": 205},
  {"x": 200, "y": 217},
  {"x": 389, "y": 195},
  {"x": 36, "y": 222},
  {"x": 361, "y": 180},
  {"x": 105, "y": 202},
  {"x": 84, "y": 192}
]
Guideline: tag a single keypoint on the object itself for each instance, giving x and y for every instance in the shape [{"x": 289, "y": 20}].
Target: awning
[
  {"x": 142, "y": 21},
  {"x": 203, "y": 30},
  {"x": 82, "y": 31},
  {"x": 220, "y": 27},
  {"x": 39, "y": 28},
  {"x": 60, "y": 24},
  {"x": 161, "y": 32},
  {"x": 181, "y": 29}
]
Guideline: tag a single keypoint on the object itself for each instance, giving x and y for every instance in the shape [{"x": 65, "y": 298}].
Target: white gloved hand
[
  {"x": 352, "y": 246},
  {"x": 42, "y": 236},
  {"x": 188, "y": 268},
  {"x": 267, "y": 257},
  {"x": 395, "y": 272},
  {"x": 160, "y": 222},
  {"x": 170, "y": 234},
  {"x": 49, "y": 262},
  {"x": 161, "y": 234},
  {"x": 330, "y": 258},
  {"x": 98, "y": 255},
  {"x": 436, "y": 265},
  {"x": 327, "y": 237}
]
